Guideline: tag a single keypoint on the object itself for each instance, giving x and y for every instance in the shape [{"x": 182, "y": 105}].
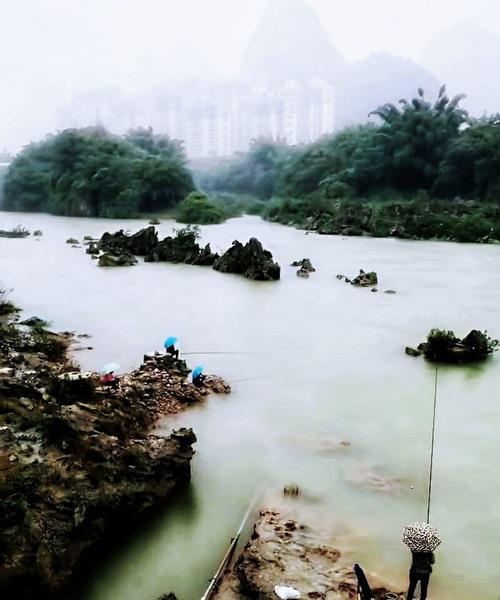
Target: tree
[
  {"x": 90, "y": 172},
  {"x": 416, "y": 138},
  {"x": 471, "y": 166}
]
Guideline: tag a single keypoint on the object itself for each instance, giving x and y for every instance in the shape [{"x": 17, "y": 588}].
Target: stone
[
  {"x": 33, "y": 322},
  {"x": 305, "y": 264},
  {"x": 72, "y": 241},
  {"x": 249, "y": 260},
  {"x": 92, "y": 249},
  {"x": 365, "y": 279},
  {"x": 412, "y": 351},
  {"x": 154, "y": 221},
  {"x": 389, "y": 292},
  {"x": 109, "y": 260},
  {"x": 141, "y": 243},
  {"x": 304, "y": 273},
  {"x": 38, "y": 233}
]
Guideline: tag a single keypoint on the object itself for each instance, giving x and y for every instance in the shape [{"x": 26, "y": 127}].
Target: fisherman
[
  {"x": 110, "y": 380},
  {"x": 171, "y": 349},
  {"x": 198, "y": 380},
  {"x": 420, "y": 570}
]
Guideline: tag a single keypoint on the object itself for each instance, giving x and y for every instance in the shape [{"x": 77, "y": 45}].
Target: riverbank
[
  {"x": 78, "y": 457},
  {"x": 284, "y": 550},
  {"x": 417, "y": 219}
]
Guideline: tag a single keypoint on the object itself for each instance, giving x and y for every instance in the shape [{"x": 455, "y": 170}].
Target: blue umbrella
[
  {"x": 197, "y": 371},
  {"x": 109, "y": 368},
  {"x": 170, "y": 342}
]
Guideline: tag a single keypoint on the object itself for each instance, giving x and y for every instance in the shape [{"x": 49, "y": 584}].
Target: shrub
[{"x": 198, "y": 208}]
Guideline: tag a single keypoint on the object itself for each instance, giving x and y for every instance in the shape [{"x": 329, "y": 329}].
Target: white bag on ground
[{"x": 286, "y": 593}]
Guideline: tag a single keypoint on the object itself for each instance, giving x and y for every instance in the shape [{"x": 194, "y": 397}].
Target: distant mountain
[
  {"x": 467, "y": 58},
  {"x": 290, "y": 43},
  {"x": 378, "y": 79}
]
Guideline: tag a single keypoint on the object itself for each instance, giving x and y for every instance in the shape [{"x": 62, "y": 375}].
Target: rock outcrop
[
  {"x": 249, "y": 260},
  {"x": 76, "y": 455},
  {"x": 365, "y": 279},
  {"x": 141, "y": 243},
  {"x": 445, "y": 346},
  {"x": 182, "y": 249},
  {"x": 17, "y": 232},
  {"x": 283, "y": 551}
]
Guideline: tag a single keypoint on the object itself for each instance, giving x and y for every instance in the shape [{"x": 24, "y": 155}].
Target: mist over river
[{"x": 312, "y": 363}]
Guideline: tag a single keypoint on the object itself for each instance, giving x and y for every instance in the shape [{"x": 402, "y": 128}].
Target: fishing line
[{"x": 432, "y": 447}]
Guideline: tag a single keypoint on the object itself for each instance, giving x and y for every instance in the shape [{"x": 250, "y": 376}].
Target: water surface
[{"x": 315, "y": 362}]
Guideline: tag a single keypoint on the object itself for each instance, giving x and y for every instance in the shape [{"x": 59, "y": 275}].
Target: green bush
[{"x": 198, "y": 208}]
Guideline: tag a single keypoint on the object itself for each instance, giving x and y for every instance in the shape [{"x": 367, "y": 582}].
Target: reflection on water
[{"x": 316, "y": 362}]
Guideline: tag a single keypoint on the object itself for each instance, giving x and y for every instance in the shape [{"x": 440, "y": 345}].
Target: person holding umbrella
[
  {"x": 422, "y": 539},
  {"x": 108, "y": 375},
  {"x": 198, "y": 376},
  {"x": 170, "y": 348}
]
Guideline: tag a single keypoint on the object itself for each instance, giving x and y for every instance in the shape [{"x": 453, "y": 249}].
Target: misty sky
[{"x": 52, "y": 49}]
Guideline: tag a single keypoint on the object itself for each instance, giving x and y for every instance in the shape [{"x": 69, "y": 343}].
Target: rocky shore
[
  {"x": 285, "y": 551},
  {"x": 77, "y": 457}
]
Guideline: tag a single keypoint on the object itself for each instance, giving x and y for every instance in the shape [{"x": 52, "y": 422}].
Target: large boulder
[
  {"x": 141, "y": 243},
  {"x": 249, "y": 260},
  {"x": 182, "y": 249}
]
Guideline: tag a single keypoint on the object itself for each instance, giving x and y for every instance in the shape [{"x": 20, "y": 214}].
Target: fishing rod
[
  {"x": 432, "y": 446},
  {"x": 222, "y": 353}
]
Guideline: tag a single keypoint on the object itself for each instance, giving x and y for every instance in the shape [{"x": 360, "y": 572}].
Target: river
[{"x": 313, "y": 363}]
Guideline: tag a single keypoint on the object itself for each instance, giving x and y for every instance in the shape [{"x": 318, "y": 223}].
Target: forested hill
[
  {"x": 90, "y": 172},
  {"x": 430, "y": 153}
]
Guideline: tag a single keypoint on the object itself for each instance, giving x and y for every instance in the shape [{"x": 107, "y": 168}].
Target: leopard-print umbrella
[{"x": 421, "y": 537}]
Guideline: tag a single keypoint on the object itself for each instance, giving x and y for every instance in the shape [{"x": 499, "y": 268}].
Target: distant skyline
[{"x": 54, "y": 49}]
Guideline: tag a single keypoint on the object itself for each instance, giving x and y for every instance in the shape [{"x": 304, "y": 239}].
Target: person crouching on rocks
[
  {"x": 110, "y": 380},
  {"x": 198, "y": 380},
  {"x": 420, "y": 570},
  {"x": 172, "y": 351}
]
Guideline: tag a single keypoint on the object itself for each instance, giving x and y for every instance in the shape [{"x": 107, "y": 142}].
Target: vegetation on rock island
[{"x": 444, "y": 346}]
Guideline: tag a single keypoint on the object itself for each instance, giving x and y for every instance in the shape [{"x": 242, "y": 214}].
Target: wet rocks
[
  {"x": 365, "y": 279},
  {"x": 182, "y": 249},
  {"x": 412, "y": 351},
  {"x": 154, "y": 221},
  {"x": 305, "y": 264},
  {"x": 38, "y": 233},
  {"x": 141, "y": 243},
  {"x": 92, "y": 249},
  {"x": 362, "y": 280},
  {"x": 249, "y": 260},
  {"x": 16, "y": 232},
  {"x": 77, "y": 456},
  {"x": 285, "y": 551},
  {"x": 33, "y": 322},
  {"x": 123, "y": 260},
  {"x": 72, "y": 241}
]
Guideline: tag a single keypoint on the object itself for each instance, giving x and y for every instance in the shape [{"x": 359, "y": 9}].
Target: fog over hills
[
  {"x": 467, "y": 58},
  {"x": 378, "y": 79},
  {"x": 290, "y": 43}
]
